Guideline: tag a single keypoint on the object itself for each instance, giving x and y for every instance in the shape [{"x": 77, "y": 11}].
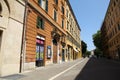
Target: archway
[{"x": 54, "y": 50}]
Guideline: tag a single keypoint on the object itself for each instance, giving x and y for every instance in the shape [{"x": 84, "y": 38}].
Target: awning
[
  {"x": 75, "y": 49},
  {"x": 40, "y": 37}
]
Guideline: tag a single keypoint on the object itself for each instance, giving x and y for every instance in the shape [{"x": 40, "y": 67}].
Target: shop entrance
[
  {"x": 54, "y": 51},
  {"x": 39, "y": 52}
]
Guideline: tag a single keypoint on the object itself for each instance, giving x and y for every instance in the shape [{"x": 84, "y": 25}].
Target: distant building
[
  {"x": 110, "y": 31},
  {"x": 11, "y": 28}
]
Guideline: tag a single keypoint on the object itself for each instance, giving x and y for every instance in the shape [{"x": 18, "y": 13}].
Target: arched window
[{"x": 0, "y": 8}]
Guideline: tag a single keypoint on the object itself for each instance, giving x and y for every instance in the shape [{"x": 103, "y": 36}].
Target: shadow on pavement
[
  {"x": 12, "y": 77},
  {"x": 100, "y": 69}
]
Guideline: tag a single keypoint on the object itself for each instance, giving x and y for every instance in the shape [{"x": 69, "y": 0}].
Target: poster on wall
[{"x": 48, "y": 52}]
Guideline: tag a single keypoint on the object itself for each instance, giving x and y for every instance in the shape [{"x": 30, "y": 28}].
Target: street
[{"x": 81, "y": 69}]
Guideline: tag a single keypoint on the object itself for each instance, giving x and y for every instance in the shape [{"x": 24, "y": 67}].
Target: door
[
  {"x": 119, "y": 53},
  {"x": 63, "y": 55},
  {"x": 39, "y": 53},
  {"x": 54, "y": 53}
]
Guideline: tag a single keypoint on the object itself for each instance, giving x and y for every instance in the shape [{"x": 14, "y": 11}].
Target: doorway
[
  {"x": 54, "y": 51},
  {"x": 63, "y": 55},
  {"x": 39, "y": 53},
  {"x": 119, "y": 53}
]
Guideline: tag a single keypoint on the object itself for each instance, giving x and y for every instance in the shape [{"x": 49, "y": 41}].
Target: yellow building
[{"x": 73, "y": 42}]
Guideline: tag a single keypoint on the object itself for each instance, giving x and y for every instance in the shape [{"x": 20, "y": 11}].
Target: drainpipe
[{"x": 22, "y": 54}]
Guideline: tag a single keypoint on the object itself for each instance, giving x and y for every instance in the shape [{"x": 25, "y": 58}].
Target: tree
[
  {"x": 97, "y": 43},
  {"x": 84, "y": 47},
  {"x": 97, "y": 39},
  {"x": 88, "y": 53},
  {"x": 98, "y": 52}
]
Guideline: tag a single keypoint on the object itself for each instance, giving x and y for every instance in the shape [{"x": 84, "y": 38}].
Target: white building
[{"x": 11, "y": 28}]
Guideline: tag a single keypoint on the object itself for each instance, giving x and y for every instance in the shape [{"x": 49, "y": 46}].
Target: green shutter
[
  {"x": 46, "y": 8},
  {"x": 37, "y": 22},
  {"x": 42, "y": 25}
]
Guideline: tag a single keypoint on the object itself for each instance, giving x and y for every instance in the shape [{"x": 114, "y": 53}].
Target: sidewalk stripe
[{"x": 52, "y": 78}]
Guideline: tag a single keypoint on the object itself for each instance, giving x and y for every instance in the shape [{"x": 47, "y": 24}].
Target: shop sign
[{"x": 40, "y": 41}]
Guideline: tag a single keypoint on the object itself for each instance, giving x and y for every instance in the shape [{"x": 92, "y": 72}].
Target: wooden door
[{"x": 54, "y": 53}]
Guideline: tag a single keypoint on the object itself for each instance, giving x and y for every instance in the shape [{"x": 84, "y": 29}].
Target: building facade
[
  {"x": 47, "y": 39},
  {"x": 35, "y": 33},
  {"x": 45, "y": 33},
  {"x": 110, "y": 31},
  {"x": 11, "y": 28},
  {"x": 73, "y": 42}
]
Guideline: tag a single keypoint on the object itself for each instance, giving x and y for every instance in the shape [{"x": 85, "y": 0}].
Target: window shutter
[
  {"x": 39, "y": 2},
  {"x": 37, "y": 22},
  {"x": 46, "y": 6},
  {"x": 42, "y": 25}
]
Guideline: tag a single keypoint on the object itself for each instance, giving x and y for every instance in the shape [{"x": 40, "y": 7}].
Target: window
[
  {"x": 67, "y": 24},
  {"x": 40, "y": 23},
  {"x": 114, "y": 3},
  {"x": 118, "y": 26},
  {"x": 67, "y": 13},
  {"x": 46, "y": 7},
  {"x": 55, "y": 15},
  {"x": 43, "y": 4},
  {"x": 56, "y": 1},
  {"x": 39, "y": 2},
  {"x": 62, "y": 23},
  {"x": 62, "y": 9}
]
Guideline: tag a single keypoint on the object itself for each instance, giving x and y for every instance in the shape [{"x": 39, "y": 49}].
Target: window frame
[
  {"x": 55, "y": 17},
  {"x": 56, "y": 2},
  {"x": 62, "y": 9},
  {"x": 40, "y": 23},
  {"x": 63, "y": 23}
]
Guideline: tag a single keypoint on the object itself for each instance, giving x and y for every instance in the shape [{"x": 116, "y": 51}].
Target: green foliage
[
  {"x": 88, "y": 53},
  {"x": 84, "y": 47},
  {"x": 97, "y": 40},
  {"x": 98, "y": 53},
  {"x": 98, "y": 43}
]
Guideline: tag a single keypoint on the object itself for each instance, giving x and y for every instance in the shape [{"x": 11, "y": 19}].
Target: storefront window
[{"x": 39, "y": 52}]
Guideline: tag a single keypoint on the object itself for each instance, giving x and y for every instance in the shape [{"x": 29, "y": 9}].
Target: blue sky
[{"x": 90, "y": 15}]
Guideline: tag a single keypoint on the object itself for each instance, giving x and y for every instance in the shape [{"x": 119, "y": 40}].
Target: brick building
[
  {"x": 36, "y": 33},
  {"x": 46, "y": 34},
  {"x": 110, "y": 31}
]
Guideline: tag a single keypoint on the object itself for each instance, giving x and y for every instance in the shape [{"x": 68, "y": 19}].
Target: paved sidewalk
[{"x": 42, "y": 73}]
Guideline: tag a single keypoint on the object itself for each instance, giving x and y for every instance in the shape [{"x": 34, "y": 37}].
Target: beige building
[
  {"x": 11, "y": 27},
  {"x": 73, "y": 42}
]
